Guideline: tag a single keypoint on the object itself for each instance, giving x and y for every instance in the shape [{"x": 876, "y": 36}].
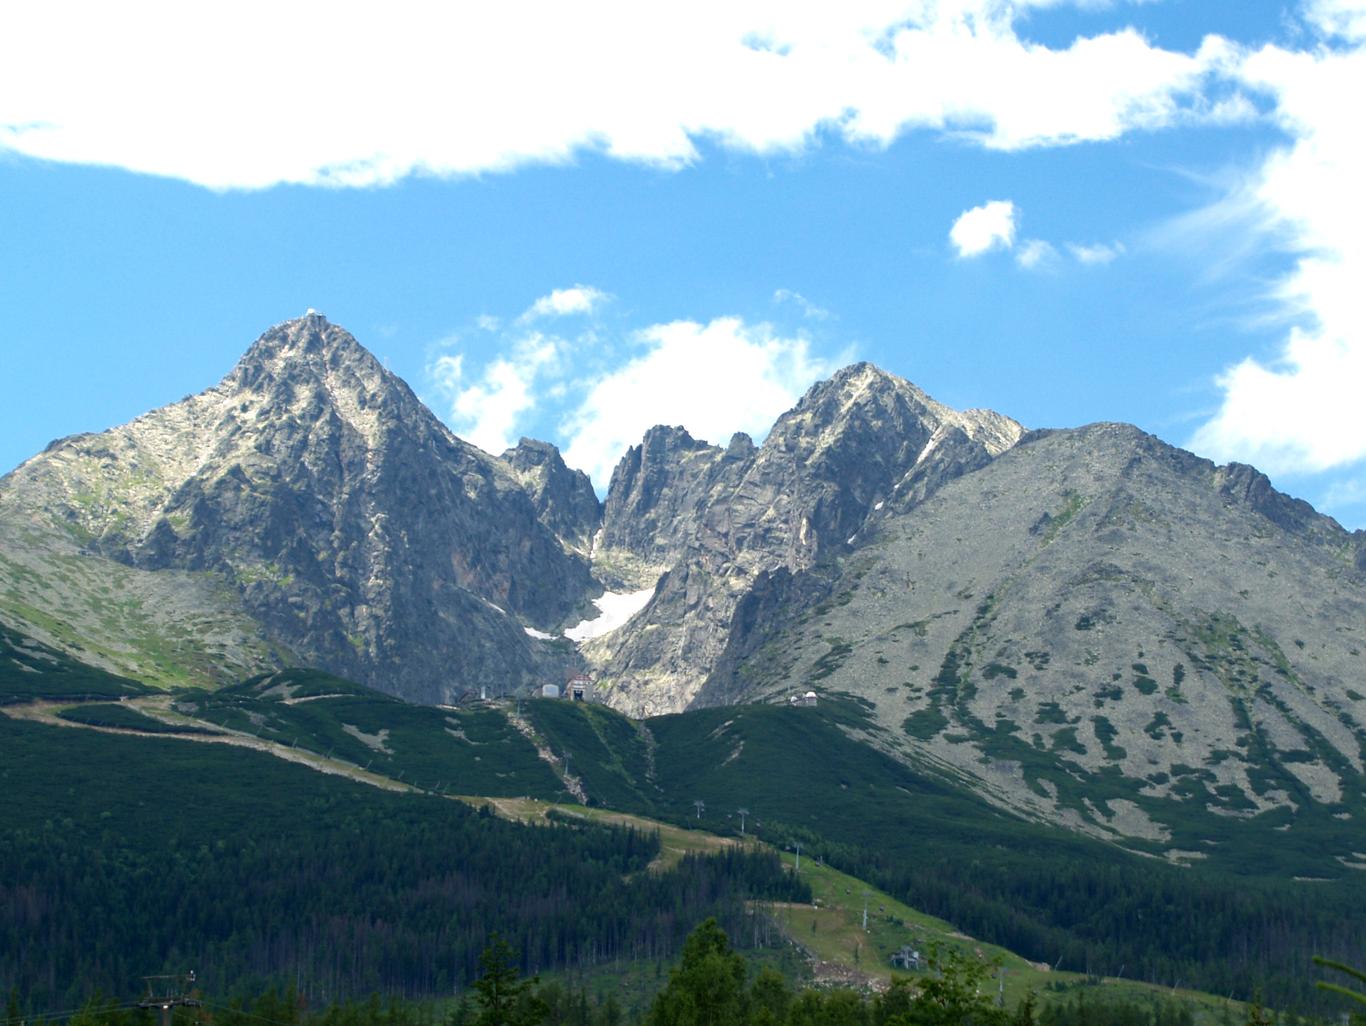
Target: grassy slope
[
  {"x": 31, "y": 670},
  {"x": 830, "y": 929},
  {"x": 466, "y": 751},
  {"x": 125, "y": 717}
]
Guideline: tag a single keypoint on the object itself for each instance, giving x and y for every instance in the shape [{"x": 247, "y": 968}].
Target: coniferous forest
[{"x": 255, "y": 872}]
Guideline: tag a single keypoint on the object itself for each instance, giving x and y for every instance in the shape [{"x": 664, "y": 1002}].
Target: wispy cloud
[
  {"x": 1096, "y": 252},
  {"x": 1036, "y": 254},
  {"x": 354, "y": 100},
  {"x": 808, "y": 308}
]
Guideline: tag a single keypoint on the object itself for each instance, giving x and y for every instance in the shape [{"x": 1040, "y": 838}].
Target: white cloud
[
  {"x": 489, "y": 411},
  {"x": 1035, "y": 253},
  {"x": 982, "y": 229},
  {"x": 714, "y": 379},
  {"x": 579, "y": 299},
  {"x": 1096, "y": 253},
  {"x": 1302, "y": 410},
  {"x": 330, "y": 94}
]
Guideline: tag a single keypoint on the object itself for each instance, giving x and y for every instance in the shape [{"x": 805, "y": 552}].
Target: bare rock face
[
  {"x": 564, "y": 499},
  {"x": 334, "y": 508},
  {"x": 661, "y": 490},
  {"x": 724, "y": 517}
]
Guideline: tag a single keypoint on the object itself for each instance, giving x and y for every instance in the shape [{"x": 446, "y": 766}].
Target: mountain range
[{"x": 1087, "y": 626}]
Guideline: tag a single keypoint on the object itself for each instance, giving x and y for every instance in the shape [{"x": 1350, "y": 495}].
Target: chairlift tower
[{"x": 168, "y": 993}]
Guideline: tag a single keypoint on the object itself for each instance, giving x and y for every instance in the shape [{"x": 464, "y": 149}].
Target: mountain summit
[
  {"x": 329, "y": 506},
  {"x": 719, "y": 522}
]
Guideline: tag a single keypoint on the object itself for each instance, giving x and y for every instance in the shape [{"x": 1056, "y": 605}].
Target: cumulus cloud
[
  {"x": 488, "y": 411},
  {"x": 1301, "y": 410},
  {"x": 982, "y": 229},
  {"x": 579, "y": 299},
  {"x": 714, "y": 379},
  {"x": 328, "y": 94}
]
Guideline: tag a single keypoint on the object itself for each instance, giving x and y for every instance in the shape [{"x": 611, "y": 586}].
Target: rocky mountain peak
[
  {"x": 564, "y": 499},
  {"x": 862, "y": 442},
  {"x": 307, "y": 344},
  {"x": 862, "y": 396},
  {"x": 319, "y": 493}
]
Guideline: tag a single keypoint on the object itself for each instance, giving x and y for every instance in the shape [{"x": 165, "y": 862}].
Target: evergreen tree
[
  {"x": 1337, "y": 988},
  {"x": 708, "y": 987},
  {"x": 952, "y": 995},
  {"x": 504, "y": 998}
]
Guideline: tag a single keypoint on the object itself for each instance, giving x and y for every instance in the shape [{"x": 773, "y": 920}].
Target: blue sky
[{"x": 572, "y": 225}]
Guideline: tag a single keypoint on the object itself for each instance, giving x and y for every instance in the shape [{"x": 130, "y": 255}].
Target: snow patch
[
  {"x": 538, "y": 634},
  {"x": 879, "y": 505},
  {"x": 615, "y": 609}
]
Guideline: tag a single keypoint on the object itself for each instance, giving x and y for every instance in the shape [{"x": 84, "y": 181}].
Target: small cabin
[
  {"x": 550, "y": 691},
  {"x": 579, "y": 689},
  {"x": 809, "y": 698}
]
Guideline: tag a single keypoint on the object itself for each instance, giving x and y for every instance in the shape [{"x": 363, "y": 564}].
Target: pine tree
[{"x": 504, "y": 998}]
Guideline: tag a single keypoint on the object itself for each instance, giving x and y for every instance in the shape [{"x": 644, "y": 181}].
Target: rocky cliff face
[
  {"x": 725, "y": 517},
  {"x": 564, "y": 499},
  {"x": 315, "y": 489},
  {"x": 660, "y": 492}
]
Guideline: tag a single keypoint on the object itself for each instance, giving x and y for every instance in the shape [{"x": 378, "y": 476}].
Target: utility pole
[
  {"x": 798, "y": 846},
  {"x": 865, "y": 911},
  {"x": 169, "y": 993},
  {"x": 701, "y": 807},
  {"x": 743, "y": 813}
]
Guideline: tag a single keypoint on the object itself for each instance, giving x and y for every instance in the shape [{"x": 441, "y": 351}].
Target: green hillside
[
  {"x": 123, "y": 856},
  {"x": 1049, "y": 894},
  {"x": 31, "y": 670},
  {"x": 474, "y": 750},
  {"x": 801, "y": 775}
]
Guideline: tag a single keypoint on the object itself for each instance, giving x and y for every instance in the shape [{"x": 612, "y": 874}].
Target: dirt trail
[
  {"x": 572, "y": 784},
  {"x": 158, "y": 707}
]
